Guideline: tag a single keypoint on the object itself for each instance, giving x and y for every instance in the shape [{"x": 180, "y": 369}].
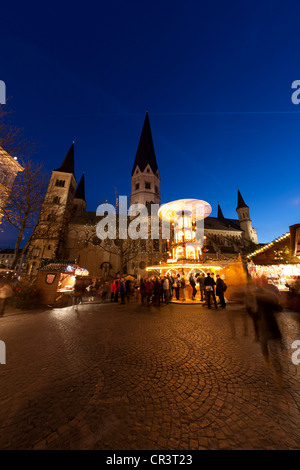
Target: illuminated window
[
  {"x": 179, "y": 252},
  {"x": 180, "y": 236},
  {"x": 187, "y": 235},
  {"x": 190, "y": 252},
  {"x": 187, "y": 222}
]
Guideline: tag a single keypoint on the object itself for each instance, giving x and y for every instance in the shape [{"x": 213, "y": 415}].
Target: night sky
[{"x": 215, "y": 76}]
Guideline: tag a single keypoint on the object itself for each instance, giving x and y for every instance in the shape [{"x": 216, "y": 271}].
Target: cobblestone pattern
[{"x": 135, "y": 377}]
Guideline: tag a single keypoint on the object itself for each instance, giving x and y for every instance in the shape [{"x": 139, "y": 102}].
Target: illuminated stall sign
[{"x": 50, "y": 278}]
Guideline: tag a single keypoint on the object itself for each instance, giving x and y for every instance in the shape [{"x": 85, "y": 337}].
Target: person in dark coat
[
  {"x": 200, "y": 280},
  {"x": 78, "y": 291},
  {"x": 157, "y": 291},
  {"x": 149, "y": 290},
  {"x": 129, "y": 289},
  {"x": 210, "y": 291},
  {"x": 220, "y": 290},
  {"x": 182, "y": 286},
  {"x": 143, "y": 290},
  {"x": 122, "y": 290}
]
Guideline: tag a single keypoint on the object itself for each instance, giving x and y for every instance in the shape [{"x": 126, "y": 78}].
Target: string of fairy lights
[{"x": 266, "y": 247}]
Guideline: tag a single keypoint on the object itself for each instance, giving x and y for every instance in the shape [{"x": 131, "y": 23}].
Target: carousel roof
[{"x": 197, "y": 208}]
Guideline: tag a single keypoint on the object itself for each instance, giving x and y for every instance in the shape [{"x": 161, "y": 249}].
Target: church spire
[
  {"x": 241, "y": 202},
  {"x": 145, "y": 154},
  {"x": 220, "y": 213},
  {"x": 80, "y": 190},
  {"x": 68, "y": 163}
]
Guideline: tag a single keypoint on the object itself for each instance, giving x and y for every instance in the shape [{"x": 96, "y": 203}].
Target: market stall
[
  {"x": 285, "y": 277},
  {"x": 282, "y": 276},
  {"x": 55, "y": 283}
]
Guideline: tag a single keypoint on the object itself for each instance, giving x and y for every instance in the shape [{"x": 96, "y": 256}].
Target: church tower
[
  {"x": 245, "y": 221},
  {"x": 50, "y": 232},
  {"x": 220, "y": 213},
  {"x": 79, "y": 198},
  {"x": 145, "y": 179}
]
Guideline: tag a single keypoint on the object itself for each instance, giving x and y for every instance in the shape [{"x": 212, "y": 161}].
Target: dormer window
[{"x": 148, "y": 171}]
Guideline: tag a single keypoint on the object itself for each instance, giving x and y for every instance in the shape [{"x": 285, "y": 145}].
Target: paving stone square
[{"x": 133, "y": 377}]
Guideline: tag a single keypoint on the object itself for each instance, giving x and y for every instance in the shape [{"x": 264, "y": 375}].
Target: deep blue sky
[{"x": 216, "y": 77}]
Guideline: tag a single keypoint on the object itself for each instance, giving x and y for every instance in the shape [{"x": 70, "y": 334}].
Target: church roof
[
  {"x": 215, "y": 223},
  {"x": 68, "y": 163},
  {"x": 241, "y": 202},
  {"x": 80, "y": 190},
  {"x": 145, "y": 154}
]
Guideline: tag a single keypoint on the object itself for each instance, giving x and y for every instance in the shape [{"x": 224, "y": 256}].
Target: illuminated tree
[{"x": 24, "y": 204}]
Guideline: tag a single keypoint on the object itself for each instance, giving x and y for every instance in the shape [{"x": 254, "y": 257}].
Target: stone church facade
[{"x": 67, "y": 231}]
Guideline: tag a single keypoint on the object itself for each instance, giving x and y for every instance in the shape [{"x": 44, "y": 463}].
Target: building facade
[
  {"x": 66, "y": 230},
  {"x": 7, "y": 256}
]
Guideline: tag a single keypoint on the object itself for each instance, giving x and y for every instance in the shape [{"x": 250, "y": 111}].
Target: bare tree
[
  {"x": 12, "y": 137},
  {"x": 25, "y": 202}
]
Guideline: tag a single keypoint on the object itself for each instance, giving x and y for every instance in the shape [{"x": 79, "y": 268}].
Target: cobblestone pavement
[{"x": 133, "y": 377}]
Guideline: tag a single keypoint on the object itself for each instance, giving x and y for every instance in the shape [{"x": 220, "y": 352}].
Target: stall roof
[{"x": 55, "y": 267}]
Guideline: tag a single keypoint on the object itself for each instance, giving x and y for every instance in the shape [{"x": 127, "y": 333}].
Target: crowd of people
[{"x": 157, "y": 290}]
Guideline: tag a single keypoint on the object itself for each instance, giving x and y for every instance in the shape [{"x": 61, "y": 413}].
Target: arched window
[
  {"x": 190, "y": 252},
  {"x": 187, "y": 235},
  {"x": 179, "y": 252},
  {"x": 180, "y": 236}
]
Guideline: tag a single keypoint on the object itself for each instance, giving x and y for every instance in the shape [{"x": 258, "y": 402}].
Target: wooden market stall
[{"x": 55, "y": 283}]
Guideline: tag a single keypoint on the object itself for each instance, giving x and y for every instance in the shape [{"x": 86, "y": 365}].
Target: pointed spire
[
  {"x": 145, "y": 154},
  {"x": 80, "y": 190},
  {"x": 241, "y": 202},
  {"x": 68, "y": 163},
  {"x": 220, "y": 213}
]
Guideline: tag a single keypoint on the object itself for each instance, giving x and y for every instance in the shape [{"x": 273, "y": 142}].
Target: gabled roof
[
  {"x": 68, "y": 163},
  {"x": 241, "y": 202},
  {"x": 80, "y": 190},
  {"x": 145, "y": 154}
]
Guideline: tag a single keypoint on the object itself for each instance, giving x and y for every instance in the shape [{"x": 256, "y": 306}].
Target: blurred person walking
[
  {"x": 6, "y": 292},
  {"x": 166, "y": 289},
  {"x": 192, "y": 282},
  {"x": 269, "y": 334}
]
